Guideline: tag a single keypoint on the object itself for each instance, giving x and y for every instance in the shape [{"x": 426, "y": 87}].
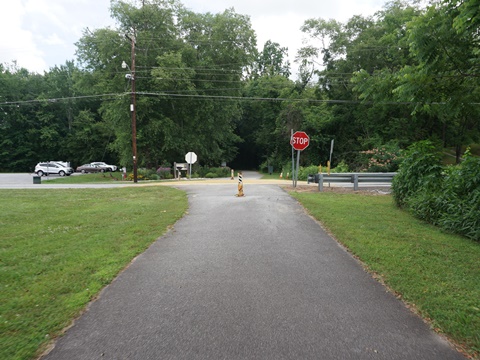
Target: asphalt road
[
  {"x": 247, "y": 278},
  {"x": 25, "y": 181}
]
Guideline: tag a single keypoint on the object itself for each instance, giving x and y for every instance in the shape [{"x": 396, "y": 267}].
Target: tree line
[{"x": 374, "y": 85}]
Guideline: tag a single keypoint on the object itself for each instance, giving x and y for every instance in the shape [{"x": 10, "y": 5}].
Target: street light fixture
[{"x": 131, "y": 77}]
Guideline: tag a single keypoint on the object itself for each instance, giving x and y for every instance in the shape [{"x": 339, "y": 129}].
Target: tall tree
[
  {"x": 445, "y": 83},
  {"x": 374, "y": 47},
  {"x": 188, "y": 68},
  {"x": 272, "y": 61}
]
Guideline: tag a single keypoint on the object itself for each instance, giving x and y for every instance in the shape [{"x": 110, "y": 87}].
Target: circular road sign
[
  {"x": 300, "y": 140},
  {"x": 191, "y": 158}
]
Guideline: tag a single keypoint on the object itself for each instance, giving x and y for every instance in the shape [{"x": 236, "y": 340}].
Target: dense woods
[{"x": 374, "y": 85}]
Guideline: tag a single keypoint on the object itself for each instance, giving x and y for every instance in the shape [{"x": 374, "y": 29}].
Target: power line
[
  {"x": 222, "y": 97},
  {"x": 54, "y": 100}
]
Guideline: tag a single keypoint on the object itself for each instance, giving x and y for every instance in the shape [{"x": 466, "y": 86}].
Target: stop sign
[
  {"x": 191, "y": 158},
  {"x": 300, "y": 140}
]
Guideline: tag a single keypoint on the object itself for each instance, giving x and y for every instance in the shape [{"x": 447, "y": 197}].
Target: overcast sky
[{"x": 40, "y": 34}]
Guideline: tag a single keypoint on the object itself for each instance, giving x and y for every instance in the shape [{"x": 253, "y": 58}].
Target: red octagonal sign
[{"x": 300, "y": 140}]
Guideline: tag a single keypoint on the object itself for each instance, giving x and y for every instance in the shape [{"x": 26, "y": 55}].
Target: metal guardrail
[{"x": 354, "y": 178}]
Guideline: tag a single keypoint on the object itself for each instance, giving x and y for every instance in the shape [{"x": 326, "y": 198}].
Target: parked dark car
[
  {"x": 90, "y": 168},
  {"x": 105, "y": 165}
]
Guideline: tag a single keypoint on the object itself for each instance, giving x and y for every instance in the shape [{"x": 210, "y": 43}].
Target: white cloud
[
  {"x": 17, "y": 43},
  {"x": 42, "y": 33},
  {"x": 53, "y": 39}
]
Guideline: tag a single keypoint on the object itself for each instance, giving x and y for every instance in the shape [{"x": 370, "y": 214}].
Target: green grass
[
  {"x": 87, "y": 178},
  {"x": 59, "y": 248},
  {"x": 436, "y": 272}
]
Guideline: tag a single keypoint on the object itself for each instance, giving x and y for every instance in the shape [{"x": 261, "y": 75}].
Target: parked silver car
[
  {"x": 105, "y": 165},
  {"x": 51, "y": 167}
]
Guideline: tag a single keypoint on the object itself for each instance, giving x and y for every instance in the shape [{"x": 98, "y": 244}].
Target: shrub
[
  {"x": 419, "y": 171},
  {"x": 214, "y": 172},
  {"x": 446, "y": 197},
  {"x": 139, "y": 177},
  {"x": 385, "y": 158},
  {"x": 342, "y": 167},
  {"x": 305, "y": 171},
  {"x": 164, "y": 172}
]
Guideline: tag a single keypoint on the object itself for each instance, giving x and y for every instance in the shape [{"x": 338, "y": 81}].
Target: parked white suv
[
  {"x": 51, "y": 167},
  {"x": 104, "y": 165}
]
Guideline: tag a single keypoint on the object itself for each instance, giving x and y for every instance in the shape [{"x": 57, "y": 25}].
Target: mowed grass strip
[
  {"x": 437, "y": 273},
  {"x": 59, "y": 248},
  {"x": 105, "y": 177}
]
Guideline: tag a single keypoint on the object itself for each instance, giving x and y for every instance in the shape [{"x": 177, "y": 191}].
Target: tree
[
  {"x": 189, "y": 67},
  {"x": 361, "y": 59},
  {"x": 272, "y": 61},
  {"x": 445, "y": 83}
]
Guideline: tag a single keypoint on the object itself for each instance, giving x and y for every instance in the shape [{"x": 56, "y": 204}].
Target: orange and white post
[{"x": 240, "y": 185}]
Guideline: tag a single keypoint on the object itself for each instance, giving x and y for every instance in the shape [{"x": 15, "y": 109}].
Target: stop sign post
[
  {"x": 191, "y": 158},
  {"x": 299, "y": 141}
]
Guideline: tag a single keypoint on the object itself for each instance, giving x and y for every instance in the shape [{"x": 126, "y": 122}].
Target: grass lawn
[
  {"x": 87, "y": 178},
  {"x": 438, "y": 274},
  {"x": 59, "y": 248}
]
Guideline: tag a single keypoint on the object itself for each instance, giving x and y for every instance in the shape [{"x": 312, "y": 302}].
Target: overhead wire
[{"x": 220, "y": 97}]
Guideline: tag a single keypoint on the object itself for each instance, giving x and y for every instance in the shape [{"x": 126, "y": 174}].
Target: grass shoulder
[
  {"x": 105, "y": 177},
  {"x": 434, "y": 272},
  {"x": 71, "y": 243}
]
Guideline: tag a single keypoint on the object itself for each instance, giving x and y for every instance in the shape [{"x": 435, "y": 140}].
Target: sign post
[
  {"x": 190, "y": 158},
  {"x": 331, "y": 151},
  {"x": 299, "y": 141},
  {"x": 293, "y": 159}
]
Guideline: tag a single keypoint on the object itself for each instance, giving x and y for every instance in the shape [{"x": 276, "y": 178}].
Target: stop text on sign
[{"x": 300, "y": 140}]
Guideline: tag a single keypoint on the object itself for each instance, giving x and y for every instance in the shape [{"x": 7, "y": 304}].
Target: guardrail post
[
  {"x": 320, "y": 182},
  {"x": 355, "y": 182}
]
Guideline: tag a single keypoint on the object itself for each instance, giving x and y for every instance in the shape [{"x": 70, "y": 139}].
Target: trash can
[
  {"x": 310, "y": 178},
  {"x": 317, "y": 178},
  {"x": 37, "y": 180},
  {"x": 270, "y": 170}
]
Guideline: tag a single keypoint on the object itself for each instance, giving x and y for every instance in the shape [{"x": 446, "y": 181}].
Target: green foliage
[
  {"x": 271, "y": 61},
  {"x": 165, "y": 172},
  {"x": 212, "y": 172},
  {"x": 403, "y": 75},
  {"x": 342, "y": 167},
  {"x": 384, "y": 158},
  {"x": 305, "y": 171},
  {"x": 446, "y": 197},
  {"x": 419, "y": 171}
]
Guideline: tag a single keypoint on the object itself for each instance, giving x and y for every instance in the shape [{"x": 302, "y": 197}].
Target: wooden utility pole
[{"x": 133, "y": 110}]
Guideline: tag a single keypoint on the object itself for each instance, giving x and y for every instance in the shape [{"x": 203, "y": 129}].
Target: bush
[
  {"x": 214, "y": 172},
  {"x": 385, "y": 158},
  {"x": 446, "y": 197},
  {"x": 164, "y": 172},
  {"x": 342, "y": 167},
  {"x": 305, "y": 171},
  {"x": 418, "y": 172}
]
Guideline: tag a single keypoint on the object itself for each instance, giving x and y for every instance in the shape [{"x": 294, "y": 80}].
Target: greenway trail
[{"x": 247, "y": 278}]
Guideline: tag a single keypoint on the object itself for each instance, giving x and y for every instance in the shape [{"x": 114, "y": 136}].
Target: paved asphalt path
[{"x": 247, "y": 278}]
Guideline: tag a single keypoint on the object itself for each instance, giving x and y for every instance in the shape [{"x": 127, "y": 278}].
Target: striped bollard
[{"x": 240, "y": 185}]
